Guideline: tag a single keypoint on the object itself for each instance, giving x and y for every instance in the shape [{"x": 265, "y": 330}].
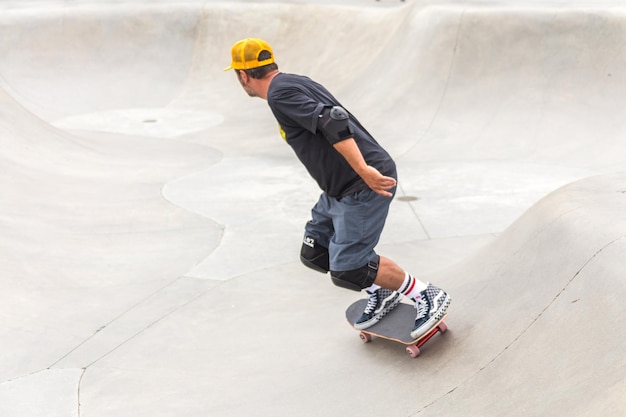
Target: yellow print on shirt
[{"x": 282, "y": 132}]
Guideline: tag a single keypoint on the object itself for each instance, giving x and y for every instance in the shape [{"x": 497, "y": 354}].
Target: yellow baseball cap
[{"x": 245, "y": 54}]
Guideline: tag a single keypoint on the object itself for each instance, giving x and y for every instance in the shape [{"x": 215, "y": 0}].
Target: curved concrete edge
[
  {"x": 112, "y": 288},
  {"x": 539, "y": 312}
]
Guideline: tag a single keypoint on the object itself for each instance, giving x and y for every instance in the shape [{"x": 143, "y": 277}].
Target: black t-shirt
[{"x": 297, "y": 102}]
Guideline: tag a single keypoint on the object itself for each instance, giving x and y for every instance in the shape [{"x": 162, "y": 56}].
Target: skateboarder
[{"x": 358, "y": 180}]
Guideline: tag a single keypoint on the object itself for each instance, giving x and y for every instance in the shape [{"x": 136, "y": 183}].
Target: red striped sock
[{"x": 412, "y": 287}]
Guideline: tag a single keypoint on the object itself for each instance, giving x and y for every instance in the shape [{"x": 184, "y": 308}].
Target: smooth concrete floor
[{"x": 151, "y": 216}]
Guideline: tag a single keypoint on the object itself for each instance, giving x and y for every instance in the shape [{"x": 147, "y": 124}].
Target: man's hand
[
  {"x": 372, "y": 177},
  {"x": 377, "y": 181}
]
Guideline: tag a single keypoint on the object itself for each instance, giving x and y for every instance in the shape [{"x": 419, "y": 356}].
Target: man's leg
[
  {"x": 317, "y": 234},
  {"x": 314, "y": 254},
  {"x": 359, "y": 220},
  {"x": 380, "y": 300},
  {"x": 390, "y": 275},
  {"x": 431, "y": 302}
]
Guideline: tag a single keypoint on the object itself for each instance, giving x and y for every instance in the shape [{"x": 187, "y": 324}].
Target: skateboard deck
[{"x": 395, "y": 326}]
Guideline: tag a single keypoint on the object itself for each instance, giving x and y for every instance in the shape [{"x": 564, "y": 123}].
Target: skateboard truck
[{"x": 413, "y": 349}]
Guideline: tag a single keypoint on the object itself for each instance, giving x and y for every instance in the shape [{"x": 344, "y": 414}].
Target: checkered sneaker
[
  {"x": 379, "y": 303},
  {"x": 431, "y": 307}
]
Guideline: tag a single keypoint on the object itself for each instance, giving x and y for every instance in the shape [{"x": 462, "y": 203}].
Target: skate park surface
[{"x": 151, "y": 215}]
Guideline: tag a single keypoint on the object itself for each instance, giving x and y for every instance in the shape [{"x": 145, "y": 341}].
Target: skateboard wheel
[
  {"x": 443, "y": 327},
  {"x": 413, "y": 351},
  {"x": 366, "y": 338}
]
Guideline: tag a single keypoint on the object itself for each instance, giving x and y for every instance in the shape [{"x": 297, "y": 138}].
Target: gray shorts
[{"x": 349, "y": 227}]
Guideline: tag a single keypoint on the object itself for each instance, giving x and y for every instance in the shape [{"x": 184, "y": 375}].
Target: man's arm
[{"x": 372, "y": 177}]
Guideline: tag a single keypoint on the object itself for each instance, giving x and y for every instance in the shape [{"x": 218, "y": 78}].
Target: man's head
[{"x": 252, "y": 59}]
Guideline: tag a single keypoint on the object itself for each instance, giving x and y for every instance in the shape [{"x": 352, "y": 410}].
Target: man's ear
[{"x": 243, "y": 76}]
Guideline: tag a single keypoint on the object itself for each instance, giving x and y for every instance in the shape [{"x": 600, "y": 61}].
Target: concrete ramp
[
  {"x": 151, "y": 216},
  {"x": 543, "y": 307}
]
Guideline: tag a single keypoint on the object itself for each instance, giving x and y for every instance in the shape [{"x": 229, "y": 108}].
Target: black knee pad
[
  {"x": 314, "y": 256},
  {"x": 357, "y": 279}
]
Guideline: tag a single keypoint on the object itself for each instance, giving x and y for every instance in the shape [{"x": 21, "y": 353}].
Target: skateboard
[{"x": 395, "y": 326}]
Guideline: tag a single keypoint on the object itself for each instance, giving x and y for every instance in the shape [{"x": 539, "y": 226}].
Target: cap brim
[{"x": 228, "y": 68}]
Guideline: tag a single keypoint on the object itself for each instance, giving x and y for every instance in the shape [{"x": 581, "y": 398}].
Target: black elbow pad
[{"x": 334, "y": 123}]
